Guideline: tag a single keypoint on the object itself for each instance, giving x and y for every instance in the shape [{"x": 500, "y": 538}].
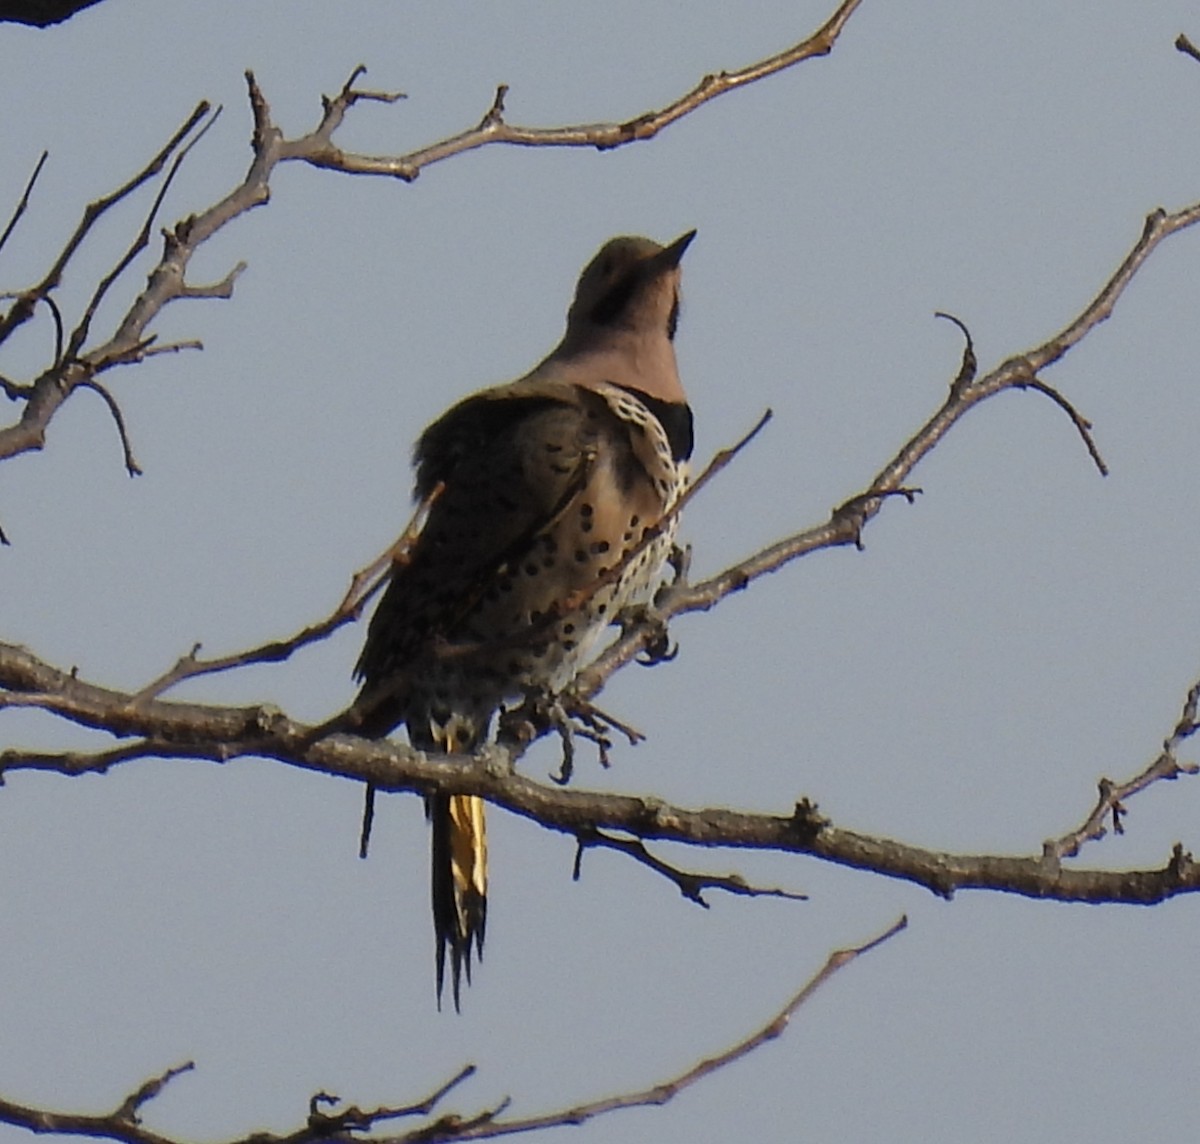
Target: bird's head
[{"x": 632, "y": 285}]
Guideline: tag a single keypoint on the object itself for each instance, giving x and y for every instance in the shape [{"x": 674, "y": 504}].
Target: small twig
[
  {"x": 368, "y": 821},
  {"x": 352, "y": 95},
  {"x": 317, "y": 147},
  {"x": 495, "y": 113},
  {"x": 142, "y": 350},
  {"x": 1186, "y": 46},
  {"x": 190, "y": 665},
  {"x": 1110, "y": 803},
  {"x": 355, "y": 1119},
  {"x": 23, "y": 203},
  {"x": 223, "y": 288},
  {"x": 59, "y": 326},
  {"x": 862, "y": 506},
  {"x": 690, "y": 884},
  {"x": 1082, "y": 425},
  {"x": 365, "y": 582},
  {"x": 82, "y": 762},
  {"x": 720, "y": 459},
  {"x": 970, "y": 364},
  {"x": 15, "y": 390},
  {"x": 129, "y": 1108},
  {"x": 131, "y": 465},
  {"x": 455, "y": 1127},
  {"x": 149, "y": 350},
  {"x": 29, "y": 299}
]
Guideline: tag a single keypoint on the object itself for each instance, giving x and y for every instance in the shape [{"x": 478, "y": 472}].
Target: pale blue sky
[{"x": 1022, "y": 629}]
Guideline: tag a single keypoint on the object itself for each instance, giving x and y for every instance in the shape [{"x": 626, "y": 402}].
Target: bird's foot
[
  {"x": 656, "y": 639},
  {"x": 571, "y": 718},
  {"x": 583, "y": 719}
]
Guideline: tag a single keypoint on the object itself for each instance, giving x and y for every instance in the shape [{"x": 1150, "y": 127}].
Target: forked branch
[{"x": 1110, "y": 805}]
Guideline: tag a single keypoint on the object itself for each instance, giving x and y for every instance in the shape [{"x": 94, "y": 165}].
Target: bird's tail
[
  {"x": 459, "y": 884},
  {"x": 459, "y": 861}
]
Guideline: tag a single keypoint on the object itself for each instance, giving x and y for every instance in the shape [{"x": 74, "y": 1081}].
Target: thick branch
[{"x": 200, "y": 731}]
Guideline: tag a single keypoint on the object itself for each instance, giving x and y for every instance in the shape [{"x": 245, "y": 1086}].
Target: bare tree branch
[
  {"x": 846, "y": 523},
  {"x": 84, "y": 762},
  {"x": 21, "y": 312},
  {"x": 168, "y": 279},
  {"x": 666, "y": 1090},
  {"x": 123, "y": 1124},
  {"x": 200, "y": 731},
  {"x": 148, "y": 1090},
  {"x": 317, "y": 150}
]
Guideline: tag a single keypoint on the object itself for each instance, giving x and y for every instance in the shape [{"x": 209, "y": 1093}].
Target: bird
[{"x": 549, "y": 508}]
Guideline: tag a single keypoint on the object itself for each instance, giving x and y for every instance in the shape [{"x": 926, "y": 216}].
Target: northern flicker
[{"x": 547, "y": 484}]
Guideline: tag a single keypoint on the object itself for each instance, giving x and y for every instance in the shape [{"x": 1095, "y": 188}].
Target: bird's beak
[{"x": 669, "y": 257}]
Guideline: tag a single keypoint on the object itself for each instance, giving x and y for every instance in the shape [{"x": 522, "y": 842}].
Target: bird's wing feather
[{"x": 510, "y": 462}]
